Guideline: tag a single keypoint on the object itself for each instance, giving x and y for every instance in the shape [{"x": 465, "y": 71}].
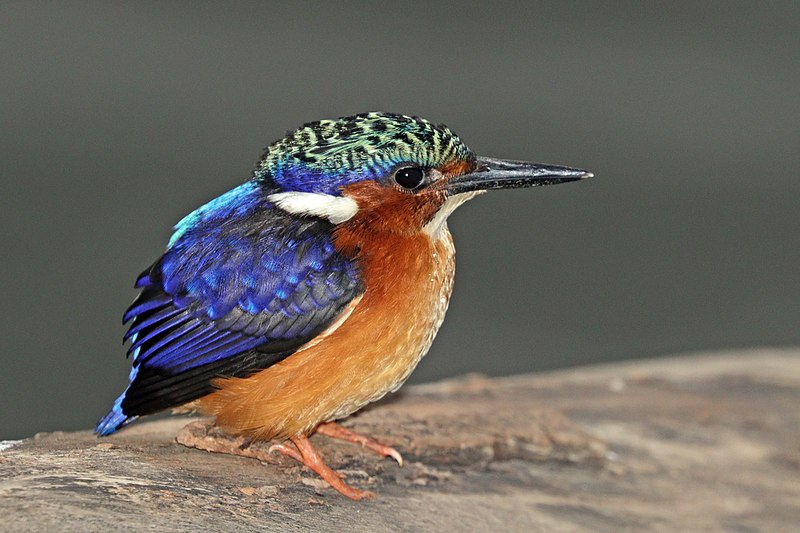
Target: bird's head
[{"x": 382, "y": 172}]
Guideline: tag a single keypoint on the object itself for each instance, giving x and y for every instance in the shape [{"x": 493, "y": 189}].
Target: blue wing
[{"x": 241, "y": 287}]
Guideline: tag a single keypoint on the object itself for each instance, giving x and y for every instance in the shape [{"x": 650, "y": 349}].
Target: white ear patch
[
  {"x": 439, "y": 221},
  {"x": 337, "y": 209}
]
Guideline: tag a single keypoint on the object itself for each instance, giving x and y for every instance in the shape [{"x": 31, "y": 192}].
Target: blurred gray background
[{"x": 118, "y": 120}]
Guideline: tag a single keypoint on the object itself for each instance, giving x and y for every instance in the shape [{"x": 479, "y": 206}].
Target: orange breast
[{"x": 408, "y": 283}]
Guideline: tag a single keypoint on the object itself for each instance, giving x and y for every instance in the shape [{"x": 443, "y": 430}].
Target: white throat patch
[
  {"x": 439, "y": 221},
  {"x": 337, "y": 209}
]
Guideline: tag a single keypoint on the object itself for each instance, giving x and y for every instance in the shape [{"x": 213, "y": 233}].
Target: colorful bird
[{"x": 314, "y": 288}]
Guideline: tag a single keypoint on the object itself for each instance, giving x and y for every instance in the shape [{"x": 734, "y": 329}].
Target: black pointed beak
[{"x": 506, "y": 174}]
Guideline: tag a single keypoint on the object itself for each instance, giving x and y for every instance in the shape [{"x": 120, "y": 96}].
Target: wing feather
[{"x": 237, "y": 290}]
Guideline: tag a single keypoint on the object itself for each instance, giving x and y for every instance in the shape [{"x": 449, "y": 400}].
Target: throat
[{"x": 437, "y": 226}]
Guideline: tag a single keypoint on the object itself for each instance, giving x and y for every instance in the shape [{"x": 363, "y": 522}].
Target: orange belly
[{"x": 409, "y": 280}]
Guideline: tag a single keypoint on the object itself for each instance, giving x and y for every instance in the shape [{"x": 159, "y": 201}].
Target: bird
[{"x": 312, "y": 289}]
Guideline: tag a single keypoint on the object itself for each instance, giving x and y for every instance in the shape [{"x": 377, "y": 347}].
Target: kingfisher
[{"x": 314, "y": 288}]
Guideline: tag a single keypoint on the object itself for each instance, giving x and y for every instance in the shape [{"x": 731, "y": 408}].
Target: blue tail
[{"x": 114, "y": 419}]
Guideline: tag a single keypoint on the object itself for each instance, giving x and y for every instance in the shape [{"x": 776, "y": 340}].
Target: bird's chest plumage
[
  {"x": 369, "y": 353},
  {"x": 404, "y": 311}
]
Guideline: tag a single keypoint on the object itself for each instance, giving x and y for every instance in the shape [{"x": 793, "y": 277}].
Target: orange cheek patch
[
  {"x": 384, "y": 210},
  {"x": 456, "y": 168},
  {"x": 366, "y": 193}
]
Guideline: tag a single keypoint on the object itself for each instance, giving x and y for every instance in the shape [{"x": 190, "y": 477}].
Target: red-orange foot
[
  {"x": 308, "y": 455},
  {"x": 335, "y": 431}
]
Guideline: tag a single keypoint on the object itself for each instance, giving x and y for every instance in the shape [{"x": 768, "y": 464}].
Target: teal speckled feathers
[{"x": 325, "y": 155}]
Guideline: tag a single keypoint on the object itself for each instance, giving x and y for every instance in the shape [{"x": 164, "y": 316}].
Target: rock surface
[{"x": 706, "y": 442}]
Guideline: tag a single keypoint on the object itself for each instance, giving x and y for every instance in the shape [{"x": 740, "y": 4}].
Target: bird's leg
[
  {"x": 310, "y": 457},
  {"x": 335, "y": 431}
]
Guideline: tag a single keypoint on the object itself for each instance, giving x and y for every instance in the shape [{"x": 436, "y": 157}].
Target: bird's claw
[
  {"x": 394, "y": 454},
  {"x": 335, "y": 431}
]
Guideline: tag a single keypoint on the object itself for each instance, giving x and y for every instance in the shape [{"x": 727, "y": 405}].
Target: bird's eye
[{"x": 409, "y": 177}]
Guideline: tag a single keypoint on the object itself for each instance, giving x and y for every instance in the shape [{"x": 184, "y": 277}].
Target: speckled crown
[{"x": 325, "y": 155}]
